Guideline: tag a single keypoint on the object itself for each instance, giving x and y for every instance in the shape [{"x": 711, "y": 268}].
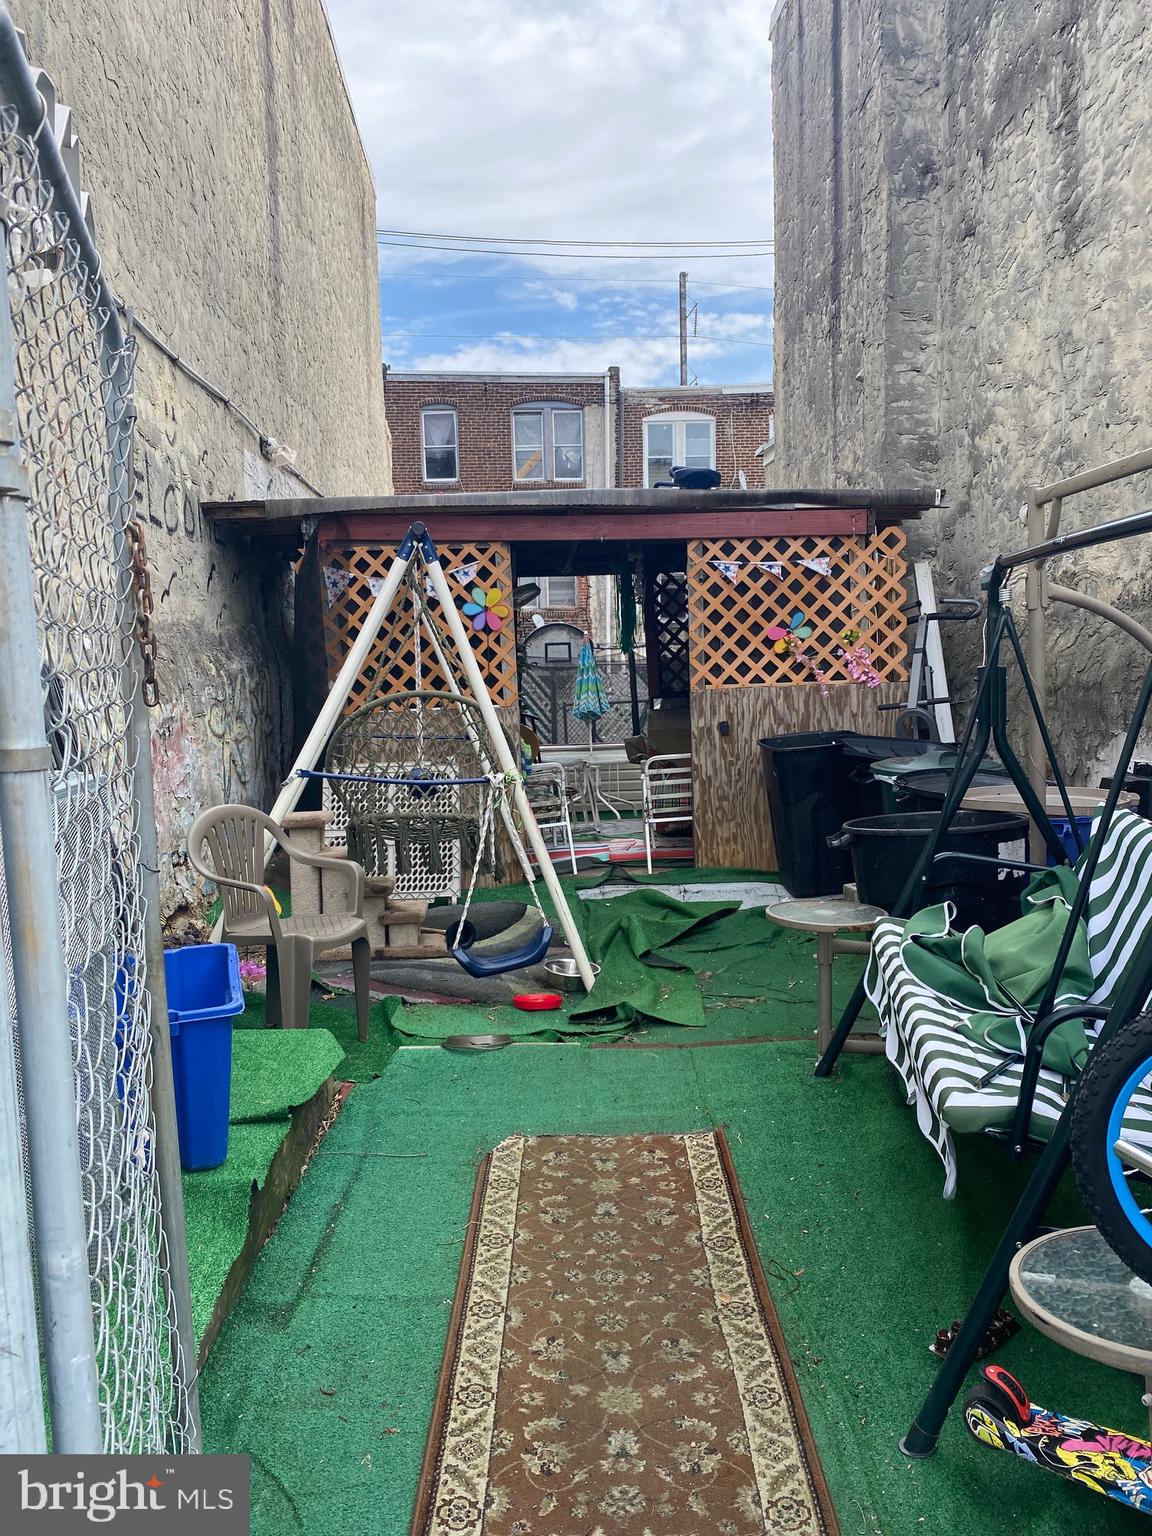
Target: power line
[
  {"x": 678, "y": 245},
  {"x": 460, "y": 250},
  {"x": 604, "y": 282},
  {"x": 517, "y": 336}
]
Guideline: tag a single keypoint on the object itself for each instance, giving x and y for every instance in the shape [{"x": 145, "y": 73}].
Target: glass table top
[{"x": 1071, "y": 1283}]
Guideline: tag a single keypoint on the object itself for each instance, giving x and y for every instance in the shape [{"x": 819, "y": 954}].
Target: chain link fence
[{"x": 73, "y": 414}]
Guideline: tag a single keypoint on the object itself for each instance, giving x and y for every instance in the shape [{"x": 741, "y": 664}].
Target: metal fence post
[
  {"x": 39, "y": 966},
  {"x": 21, "y": 1399}
]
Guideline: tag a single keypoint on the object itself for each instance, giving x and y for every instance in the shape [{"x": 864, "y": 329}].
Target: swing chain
[{"x": 145, "y": 606}]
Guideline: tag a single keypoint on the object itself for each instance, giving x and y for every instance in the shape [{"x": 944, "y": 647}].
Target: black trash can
[
  {"x": 886, "y": 849},
  {"x": 1139, "y": 780},
  {"x": 808, "y": 799},
  {"x": 867, "y": 796}
]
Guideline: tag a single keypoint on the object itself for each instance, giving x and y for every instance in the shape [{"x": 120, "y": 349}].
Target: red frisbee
[{"x": 537, "y": 1002}]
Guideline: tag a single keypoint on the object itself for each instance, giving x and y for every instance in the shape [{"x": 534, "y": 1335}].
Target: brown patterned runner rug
[{"x": 615, "y": 1366}]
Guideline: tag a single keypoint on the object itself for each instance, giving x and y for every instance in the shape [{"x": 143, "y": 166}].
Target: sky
[{"x": 623, "y": 120}]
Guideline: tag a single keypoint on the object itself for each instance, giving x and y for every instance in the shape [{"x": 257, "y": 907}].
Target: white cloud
[
  {"x": 642, "y": 360},
  {"x": 511, "y": 353},
  {"x": 639, "y": 121}
]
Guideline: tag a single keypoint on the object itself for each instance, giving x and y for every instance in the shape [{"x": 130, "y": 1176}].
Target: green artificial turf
[
  {"x": 325, "y": 1373},
  {"x": 336, "y": 1012},
  {"x": 271, "y": 1074}
]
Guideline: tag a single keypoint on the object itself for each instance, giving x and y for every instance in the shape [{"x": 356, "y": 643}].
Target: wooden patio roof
[{"x": 627, "y": 516}]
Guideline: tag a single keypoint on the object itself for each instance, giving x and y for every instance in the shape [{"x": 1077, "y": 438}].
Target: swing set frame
[{"x": 418, "y": 554}]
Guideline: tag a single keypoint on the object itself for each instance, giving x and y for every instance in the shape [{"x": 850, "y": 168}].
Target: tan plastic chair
[{"x": 235, "y": 835}]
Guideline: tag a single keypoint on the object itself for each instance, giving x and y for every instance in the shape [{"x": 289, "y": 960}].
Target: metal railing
[{"x": 87, "y": 1055}]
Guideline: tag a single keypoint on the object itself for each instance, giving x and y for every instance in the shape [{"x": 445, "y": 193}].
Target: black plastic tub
[{"x": 885, "y": 850}]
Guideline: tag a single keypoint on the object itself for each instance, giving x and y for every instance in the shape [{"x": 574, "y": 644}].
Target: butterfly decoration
[
  {"x": 785, "y": 638},
  {"x": 487, "y": 610}
]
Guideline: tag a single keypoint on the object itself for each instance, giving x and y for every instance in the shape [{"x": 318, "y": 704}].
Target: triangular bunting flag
[{"x": 336, "y": 582}]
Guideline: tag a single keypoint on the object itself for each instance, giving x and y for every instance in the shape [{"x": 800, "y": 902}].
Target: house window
[
  {"x": 688, "y": 441},
  {"x": 548, "y": 443},
  {"x": 440, "y": 439},
  {"x": 555, "y": 592}
]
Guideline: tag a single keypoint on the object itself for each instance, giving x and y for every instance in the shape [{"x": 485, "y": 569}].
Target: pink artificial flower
[{"x": 252, "y": 971}]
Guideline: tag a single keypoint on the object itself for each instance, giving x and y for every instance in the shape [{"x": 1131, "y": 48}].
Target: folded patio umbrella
[{"x": 591, "y": 701}]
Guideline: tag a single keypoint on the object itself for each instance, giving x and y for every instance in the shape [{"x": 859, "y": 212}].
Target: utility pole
[{"x": 683, "y": 328}]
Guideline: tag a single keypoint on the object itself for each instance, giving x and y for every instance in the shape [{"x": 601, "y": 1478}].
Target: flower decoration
[
  {"x": 253, "y": 973},
  {"x": 858, "y": 662},
  {"x": 487, "y": 610},
  {"x": 785, "y": 638}
]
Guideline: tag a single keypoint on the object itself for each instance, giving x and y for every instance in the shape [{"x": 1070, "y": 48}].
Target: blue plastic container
[
  {"x": 1063, "y": 830},
  {"x": 204, "y": 996}
]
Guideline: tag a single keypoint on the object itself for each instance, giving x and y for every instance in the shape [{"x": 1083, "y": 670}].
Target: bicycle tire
[{"x": 1112, "y": 1071}]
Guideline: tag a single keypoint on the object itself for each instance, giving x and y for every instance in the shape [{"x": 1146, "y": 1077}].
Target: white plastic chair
[
  {"x": 548, "y": 795},
  {"x": 666, "y": 793}
]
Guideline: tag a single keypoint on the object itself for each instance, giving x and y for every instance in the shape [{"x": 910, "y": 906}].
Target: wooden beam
[{"x": 449, "y": 527}]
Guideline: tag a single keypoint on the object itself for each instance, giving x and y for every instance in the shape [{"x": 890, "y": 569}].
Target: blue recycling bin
[
  {"x": 204, "y": 996},
  {"x": 1063, "y": 830}
]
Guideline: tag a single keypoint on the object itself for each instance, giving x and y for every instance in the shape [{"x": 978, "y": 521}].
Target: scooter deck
[{"x": 1107, "y": 1461}]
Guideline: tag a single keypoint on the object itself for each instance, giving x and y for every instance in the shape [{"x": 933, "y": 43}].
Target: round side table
[
  {"x": 825, "y": 916},
  {"x": 1071, "y": 1287}
]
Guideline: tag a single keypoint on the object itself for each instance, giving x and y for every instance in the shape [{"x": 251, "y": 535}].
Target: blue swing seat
[{"x": 530, "y": 953}]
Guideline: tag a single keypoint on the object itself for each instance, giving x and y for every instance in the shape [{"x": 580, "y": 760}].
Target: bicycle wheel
[{"x": 1110, "y": 1167}]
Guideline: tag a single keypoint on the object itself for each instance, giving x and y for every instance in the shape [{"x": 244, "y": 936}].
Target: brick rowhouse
[{"x": 484, "y": 404}]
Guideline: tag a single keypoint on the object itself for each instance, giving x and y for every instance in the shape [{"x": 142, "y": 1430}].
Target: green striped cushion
[
  {"x": 940, "y": 1067},
  {"x": 1120, "y": 901}
]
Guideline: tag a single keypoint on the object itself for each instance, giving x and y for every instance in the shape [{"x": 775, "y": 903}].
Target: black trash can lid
[
  {"x": 875, "y": 749},
  {"x": 797, "y": 740}
]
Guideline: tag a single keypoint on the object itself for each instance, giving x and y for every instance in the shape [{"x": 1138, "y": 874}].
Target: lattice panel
[
  {"x": 740, "y": 588},
  {"x": 670, "y": 611},
  {"x": 351, "y": 576}
]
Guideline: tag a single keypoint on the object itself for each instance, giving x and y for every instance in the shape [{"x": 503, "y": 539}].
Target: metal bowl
[{"x": 566, "y": 974}]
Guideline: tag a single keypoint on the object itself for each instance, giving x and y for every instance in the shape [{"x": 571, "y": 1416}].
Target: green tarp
[{"x": 634, "y": 939}]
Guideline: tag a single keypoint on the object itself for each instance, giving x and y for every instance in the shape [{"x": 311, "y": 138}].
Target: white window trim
[
  {"x": 674, "y": 419},
  {"x": 545, "y": 410},
  {"x": 439, "y": 410},
  {"x": 546, "y": 600},
  {"x": 569, "y": 410}
]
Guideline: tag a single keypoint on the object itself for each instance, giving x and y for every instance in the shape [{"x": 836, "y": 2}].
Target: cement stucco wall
[
  {"x": 235, "y": 213},
  {"x": 963, "y": 295}
]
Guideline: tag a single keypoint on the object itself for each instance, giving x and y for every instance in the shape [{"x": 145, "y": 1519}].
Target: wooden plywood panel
[{"x": 732, "y": 827}]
